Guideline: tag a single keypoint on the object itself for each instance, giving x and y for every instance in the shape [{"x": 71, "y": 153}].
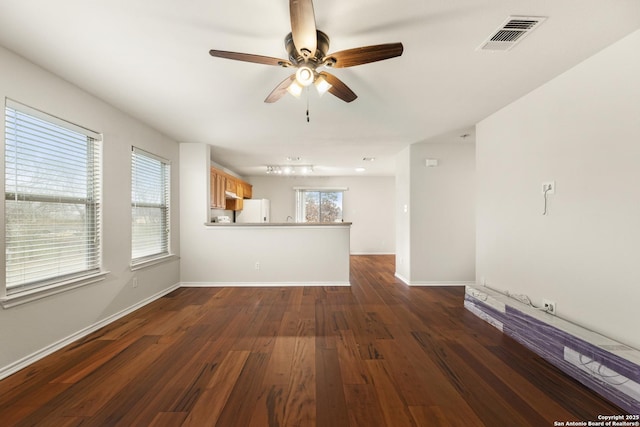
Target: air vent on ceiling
[{"x": 511, "y": 32}]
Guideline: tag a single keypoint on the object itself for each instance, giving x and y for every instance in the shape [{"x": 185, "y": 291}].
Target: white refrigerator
[{"x": 253, "y": 210}]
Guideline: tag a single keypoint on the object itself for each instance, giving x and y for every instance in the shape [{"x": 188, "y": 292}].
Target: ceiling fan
[{"x": 307, "y": 49}]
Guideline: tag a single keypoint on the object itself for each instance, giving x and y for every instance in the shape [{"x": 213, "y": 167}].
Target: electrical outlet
[
  {"x": 549, "y": 187},
  {"x": 257, "y": 266},
  {"x": 135, "y": 282},
  {"x": 549, "y": 306}
]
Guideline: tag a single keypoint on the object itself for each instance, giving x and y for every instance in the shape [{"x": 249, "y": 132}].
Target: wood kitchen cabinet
[
  {"x": 235, "y": 204},
  {"x": 218, "y": 187},
  {"x": 221, "y": 183},
  {"x": 231, "y": 185},
  {"x": 247, "y": 190}
]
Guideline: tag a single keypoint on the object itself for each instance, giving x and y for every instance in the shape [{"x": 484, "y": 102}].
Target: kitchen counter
[
  {"x": 269, "y": 254},
  {"x": 278, "y": 224}
]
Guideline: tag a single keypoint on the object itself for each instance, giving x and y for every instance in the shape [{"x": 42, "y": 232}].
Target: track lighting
[{"x": 289, "y": 169}]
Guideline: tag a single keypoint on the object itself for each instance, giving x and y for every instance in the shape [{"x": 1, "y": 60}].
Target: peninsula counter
[{"x": 270, "y": 254}]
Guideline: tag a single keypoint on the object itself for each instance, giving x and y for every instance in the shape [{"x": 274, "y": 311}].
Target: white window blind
[
  {"x": 150, "y": 178},
  {"x": 52, "y": 199}
]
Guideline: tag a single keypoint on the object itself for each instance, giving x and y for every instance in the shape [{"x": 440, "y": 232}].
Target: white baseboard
[
  {"x": 454, "y": 283},
  {"x": 402, "y": 278},
  {"x": 434, "y": 283},
  {"x": 258, "y": 284},
  {"x": 34, "y": 357},
  {"x": 372, "y": 253}
]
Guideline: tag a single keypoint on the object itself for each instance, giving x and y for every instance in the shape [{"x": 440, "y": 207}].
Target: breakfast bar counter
[
  {"x": 279, "y": 224},
  {"x": 270, "y": 254}
]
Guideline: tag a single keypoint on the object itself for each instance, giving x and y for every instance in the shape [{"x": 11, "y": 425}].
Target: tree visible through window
[
  {"x": 52, "y": 199},
  {"x": 320, "y": 206},
  {"x": 149, "y": 206}
]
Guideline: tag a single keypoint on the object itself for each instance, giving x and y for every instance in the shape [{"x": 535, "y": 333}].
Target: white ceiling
[{"x": 150, "y": 59}]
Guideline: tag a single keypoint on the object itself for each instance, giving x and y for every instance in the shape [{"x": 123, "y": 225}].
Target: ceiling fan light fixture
[
  {"x": 295, "y": 89},
  {"x": 307, "y": 49},
  {"x": 322, "y": 85},
  {"x": 304, "y": 76}
]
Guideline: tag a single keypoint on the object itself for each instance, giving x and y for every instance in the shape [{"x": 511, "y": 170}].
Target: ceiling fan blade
[
  {"x": 247, "y": 57},
  {"x": 338, "y": 88},
  {"x": 364, "y": 55},
  {"x": 303, "y": 27},
  {"x": 280, "y": 90}
]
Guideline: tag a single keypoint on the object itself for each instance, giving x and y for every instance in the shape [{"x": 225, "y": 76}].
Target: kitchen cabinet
[
  {"x": 218, "y": 187},
  {"x": 247, "y": 190},
  {"x": 231, "y": 185},
  {"x": 235, "y": 204},
  {"x": 221, "y": 183}
]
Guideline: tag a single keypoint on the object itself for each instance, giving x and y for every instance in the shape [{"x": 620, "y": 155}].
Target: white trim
[
  {"x": 440, "y": 283},
  {"x": 422, "y": 283},
  {"x": 154, "y": 261},
  {"x": 15, "y": 105},
  {"x": 372, "y": 253},
  {"x": 34, "y": 357},
  {"x": 402, "y": 278},
  {"x": 35, "y": 294},
  {"x": 258, "y": 284},
  {"x": 150, "y": 155}
]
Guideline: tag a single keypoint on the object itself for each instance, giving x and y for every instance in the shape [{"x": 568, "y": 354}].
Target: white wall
[
  {"x": 443, "y": 213},
  {"x": 403, "y": 215},
  {"x": 436, "y": 233},
  {"x": 582, "y": 130},
  {"x": 368, "y": 204},
  {"x": 32, "y": 327}
]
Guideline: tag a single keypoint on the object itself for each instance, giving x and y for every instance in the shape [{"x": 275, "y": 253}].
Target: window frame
[
  {"x": 42, "y": 287},
  {"x": 300, "y": 199},
  {"x": 165, "y": 254}
]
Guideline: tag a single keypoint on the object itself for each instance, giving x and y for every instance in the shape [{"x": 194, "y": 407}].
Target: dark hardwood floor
[{"x": 376, "y": 354}]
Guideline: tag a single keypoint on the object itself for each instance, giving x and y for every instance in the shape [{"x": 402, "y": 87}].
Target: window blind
[
  {"x": 150, "y": 178},
  {"x": 52, "y": 199}
]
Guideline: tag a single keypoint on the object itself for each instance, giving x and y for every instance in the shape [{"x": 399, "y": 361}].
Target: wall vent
[{"x": 511, "y": 32}]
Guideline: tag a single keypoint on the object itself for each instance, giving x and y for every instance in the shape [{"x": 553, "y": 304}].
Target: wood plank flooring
[{"x": 376, "y": 354}]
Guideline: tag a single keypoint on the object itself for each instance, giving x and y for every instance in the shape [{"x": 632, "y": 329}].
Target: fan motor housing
[{"x": 321, "y": 49}]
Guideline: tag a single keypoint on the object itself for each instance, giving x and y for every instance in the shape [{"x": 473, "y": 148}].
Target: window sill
[
  {"x": 31, "y": 295},
  {"x": 148, "y": 263}
]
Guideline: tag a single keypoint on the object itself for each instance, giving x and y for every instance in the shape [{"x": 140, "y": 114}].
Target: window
[
  {"x": 149, "y": 207},
  {"x": 314, "y": 205},
  {"x": 52, "y": 199}
]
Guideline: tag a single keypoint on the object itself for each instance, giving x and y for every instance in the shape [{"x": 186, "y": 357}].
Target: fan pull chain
[{"x": 307, "y": 104}]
